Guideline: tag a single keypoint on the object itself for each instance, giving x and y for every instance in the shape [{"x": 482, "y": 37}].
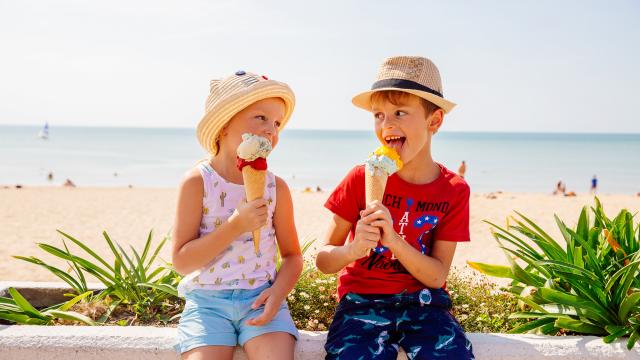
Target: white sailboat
[{"x": 44, "y": 133}]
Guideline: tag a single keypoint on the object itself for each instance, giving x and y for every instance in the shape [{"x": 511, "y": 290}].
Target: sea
[{"x": 159, "y": 157}]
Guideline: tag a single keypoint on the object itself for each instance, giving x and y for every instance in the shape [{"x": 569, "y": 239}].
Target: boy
[{"x": 394, "y": 296}]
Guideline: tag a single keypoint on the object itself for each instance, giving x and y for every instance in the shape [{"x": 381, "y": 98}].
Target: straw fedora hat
[
  {"x": 231, "y": 95},
  {"x": 412, "y": 74}
]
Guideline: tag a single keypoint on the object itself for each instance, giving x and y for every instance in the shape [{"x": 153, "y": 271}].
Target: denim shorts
[{"x": 218, "y": 317}]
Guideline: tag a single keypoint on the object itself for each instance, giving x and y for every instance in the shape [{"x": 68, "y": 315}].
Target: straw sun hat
[
  {"x": 231, "y": 95},
  {"x": 412, "y": 74}
]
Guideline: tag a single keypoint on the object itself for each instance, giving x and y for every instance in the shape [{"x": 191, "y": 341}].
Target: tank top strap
[{"x": 208, "y": 177}]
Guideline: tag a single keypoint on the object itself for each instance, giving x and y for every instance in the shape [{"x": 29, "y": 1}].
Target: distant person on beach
[
  {"x": 50, "y": 176},
  {"x": 462, "y": 169},
  {"x": 560, "y": 188},
  {"x": 393, "y": 257},
  {"x": 233, "y": 294},
  {"x": 69, "y": 183},
  {"x": 594, "y": 184}
]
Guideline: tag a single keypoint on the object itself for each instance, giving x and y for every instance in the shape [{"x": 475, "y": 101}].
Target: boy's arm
[
  {"x": 289, "y": 247},
  {"x": 430, "y": 270},
  {"x": 335, "y": 255}
]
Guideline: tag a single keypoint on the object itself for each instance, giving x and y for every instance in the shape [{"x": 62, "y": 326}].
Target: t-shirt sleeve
[
  {"x": 455, "y": 224},
  {"x": 347, "y": 199}
]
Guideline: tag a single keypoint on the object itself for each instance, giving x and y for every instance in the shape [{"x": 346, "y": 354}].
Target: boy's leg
[
  {"x": 361, "y": 330},
  {"x": 275, "y": 345},
  {"x": 433, "y": 333}
]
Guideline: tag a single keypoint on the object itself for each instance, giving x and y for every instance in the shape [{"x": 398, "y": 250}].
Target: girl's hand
[
  {"x": 378, "y": 215},
  {"x": 271, "y": 307},
  {"x": 250, "y": 216},
  {"x": 366, "y": 238}
]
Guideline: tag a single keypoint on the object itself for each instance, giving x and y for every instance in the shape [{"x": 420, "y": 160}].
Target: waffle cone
[
  {"x": 254, "y": 181},
  {"x": 374, "y": 186}
]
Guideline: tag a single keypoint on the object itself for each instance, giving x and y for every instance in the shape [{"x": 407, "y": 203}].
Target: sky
[{"x": 511, "y": 66}]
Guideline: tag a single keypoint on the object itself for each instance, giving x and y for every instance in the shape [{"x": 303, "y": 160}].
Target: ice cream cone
[
  {"x": 378, "y": 167},
  {"x": 374, "y": 186},
  {"x": 254, "y": 182},
  {"x": 252, "y": 161}
]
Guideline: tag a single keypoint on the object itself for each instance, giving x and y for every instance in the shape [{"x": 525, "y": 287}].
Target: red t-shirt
[{"x": 421, "y": 214}]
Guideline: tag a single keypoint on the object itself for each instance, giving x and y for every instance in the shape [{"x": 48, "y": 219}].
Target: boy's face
[{"x": 405, "y": 126}]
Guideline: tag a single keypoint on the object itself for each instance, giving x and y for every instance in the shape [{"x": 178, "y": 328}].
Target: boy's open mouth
[{"x": 395, "y": 141}]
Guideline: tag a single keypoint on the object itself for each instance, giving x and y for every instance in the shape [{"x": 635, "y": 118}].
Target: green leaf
[
  {"x": 87, "y": 249},
  {"x": 71, "y": 316},
  {"x": 147, "y": 246},
  {"x": 115, "y": 252},
  {"x": 56, "y": 271},
  {"x": 500, "y": 271},
  {"x": 95, "y": 270},
  {"x": 589, "y": 308},
  {"x": 162, "y": 287},
  {"x": 156, "y": 252},
  {"x": 22, "y": 318},
  {"x": 543, "y": 235},
  {"x": 633, "y": 338},
  {"x": 531, "y": 325},
  {"x": 23, "y": 304},
  {"x": 627, "y": 304},
  {"x": 579, "y": 326},
  {"x": 507, "y": 236},
  {"x": 110, "y": 309},
  {"x": 616, "y": 334},
  {"x": 67, "y": 305},
  {"x": 588, "y": 276}
]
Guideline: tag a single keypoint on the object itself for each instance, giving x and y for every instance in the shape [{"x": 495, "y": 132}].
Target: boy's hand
[
  {"x": 271, "y": 307},
  {"x": 379, "y": 216},
  {"x": 366, "y": 238},
  {"x": 250, "y": 216}
]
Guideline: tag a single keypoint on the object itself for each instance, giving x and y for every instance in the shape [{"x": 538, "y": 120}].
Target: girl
[{"x": 233, "y": 295}]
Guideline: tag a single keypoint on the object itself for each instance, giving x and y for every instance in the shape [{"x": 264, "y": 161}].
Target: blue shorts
[
  {"x": 376, "y": 326},
  {"x": 218, "y": 317}
]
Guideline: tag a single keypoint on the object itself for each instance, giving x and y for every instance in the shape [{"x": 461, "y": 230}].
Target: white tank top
[{"x": 237, "y": 267}]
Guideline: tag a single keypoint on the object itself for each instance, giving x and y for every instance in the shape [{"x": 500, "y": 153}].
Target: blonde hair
[{"x": 398, "y": 97}]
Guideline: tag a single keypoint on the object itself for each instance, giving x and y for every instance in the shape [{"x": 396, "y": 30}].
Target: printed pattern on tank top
[{"x": 238, "y": 266}]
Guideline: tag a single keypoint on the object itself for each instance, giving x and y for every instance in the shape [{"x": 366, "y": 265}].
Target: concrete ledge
[
  {"x": 19, "y": 342},
  {"x": 144, "y": 342}
]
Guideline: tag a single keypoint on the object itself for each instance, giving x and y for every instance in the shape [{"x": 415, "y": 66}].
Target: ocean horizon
[{"x": 158, "y": 157}]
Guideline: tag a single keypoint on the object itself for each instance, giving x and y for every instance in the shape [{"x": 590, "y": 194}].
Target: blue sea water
[{"x": 158, "y": 157}]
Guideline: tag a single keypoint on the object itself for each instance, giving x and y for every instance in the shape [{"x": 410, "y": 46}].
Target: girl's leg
[
  {"x": 271, "y": 346},
  {"x": 209, "y": 352}
]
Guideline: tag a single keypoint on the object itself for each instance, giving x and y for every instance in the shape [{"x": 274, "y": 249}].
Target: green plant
[
  {"x": 589, "y": 287},
  {"x": 17, "y": 309},
  {"x": 313, "y": 300},
  {"x": 479, "y": 304},
  {"x": 131, "y": 280}
]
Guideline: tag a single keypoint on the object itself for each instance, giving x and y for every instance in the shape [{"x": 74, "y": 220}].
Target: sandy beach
[{"x": 31, "y": 215}]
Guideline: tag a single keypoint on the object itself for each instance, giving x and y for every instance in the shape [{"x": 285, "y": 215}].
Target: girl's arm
[
  {"x": 287, "y": 238},
  {"x": 291, "y": 265},
  {"x": 430, "y": 270},
  {"x": 191, "y": 252},
  {"x": 334, "y": 255}
]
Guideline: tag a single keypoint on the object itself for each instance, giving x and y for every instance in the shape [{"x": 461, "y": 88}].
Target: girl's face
[
  {"x": 405, "y": 127},
  {"x": 262, "y": 118}
]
